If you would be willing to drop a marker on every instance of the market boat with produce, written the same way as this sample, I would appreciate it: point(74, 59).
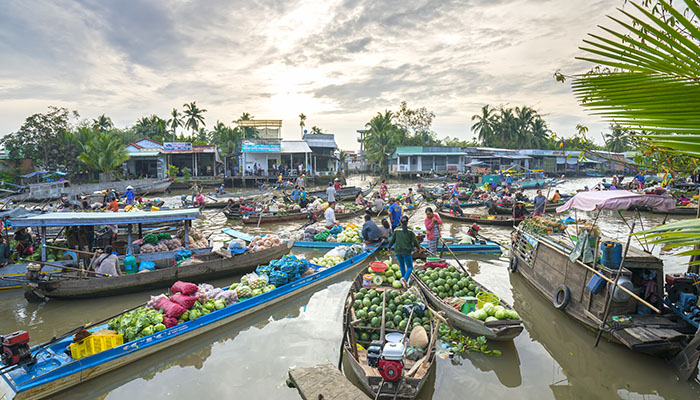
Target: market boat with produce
point(564, 264)
point(480, 219)
point(465, 302)
point(207, 266)
point(389, 337)
point(507, 209)
point(190, 310)
point(346, 193)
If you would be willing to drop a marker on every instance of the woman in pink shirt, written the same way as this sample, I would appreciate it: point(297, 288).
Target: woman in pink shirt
point(433, 222)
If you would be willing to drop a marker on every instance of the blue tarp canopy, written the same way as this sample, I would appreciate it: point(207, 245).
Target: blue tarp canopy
point(35, 173)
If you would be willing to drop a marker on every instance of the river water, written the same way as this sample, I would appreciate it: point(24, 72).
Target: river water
point(553, 358)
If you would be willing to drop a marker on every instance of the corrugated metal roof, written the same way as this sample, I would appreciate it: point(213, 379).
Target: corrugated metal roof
point(321, 140)
point(295, 146)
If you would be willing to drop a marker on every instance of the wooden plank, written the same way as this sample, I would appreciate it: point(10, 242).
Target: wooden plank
point(324, 381)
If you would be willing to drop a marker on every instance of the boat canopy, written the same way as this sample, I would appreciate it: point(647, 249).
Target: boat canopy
point(617, 200)
point(104, 218)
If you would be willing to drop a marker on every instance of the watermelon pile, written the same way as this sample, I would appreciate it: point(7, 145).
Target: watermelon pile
point(368, 308)
point(448, 282)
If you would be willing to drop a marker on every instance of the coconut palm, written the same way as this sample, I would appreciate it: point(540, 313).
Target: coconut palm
point(381, 139)
point(193, 117)
point(342, 159)
point(649, 79)
point(484, 124)
point(248, 132)
point(103, 152)
point(302, 122)
point(102, 123)
point(175, 121)
point(618, 139)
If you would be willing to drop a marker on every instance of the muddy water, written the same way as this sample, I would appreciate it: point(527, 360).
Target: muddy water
point(553, 358)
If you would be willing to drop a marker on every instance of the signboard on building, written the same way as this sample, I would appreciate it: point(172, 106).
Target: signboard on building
point(260, 148)
point(177, 146)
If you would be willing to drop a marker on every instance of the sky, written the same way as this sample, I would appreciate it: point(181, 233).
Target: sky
point(338, 61)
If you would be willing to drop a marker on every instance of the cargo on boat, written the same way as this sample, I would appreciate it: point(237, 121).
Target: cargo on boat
point(481, 219)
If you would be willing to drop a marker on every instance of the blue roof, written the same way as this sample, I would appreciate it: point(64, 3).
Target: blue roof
point(105, 218)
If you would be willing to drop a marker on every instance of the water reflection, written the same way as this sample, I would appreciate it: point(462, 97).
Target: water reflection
point(581, 371)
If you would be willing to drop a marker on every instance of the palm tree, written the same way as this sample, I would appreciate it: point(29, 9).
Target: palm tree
point(540, 133)
point(248, 131)
point(342, 159)
point(175, 121)
point(381, 139)
point(302, 122)
point(484, 124)
point(103, 152)
point(102, 123)
point(618, 139)
point(193, 117)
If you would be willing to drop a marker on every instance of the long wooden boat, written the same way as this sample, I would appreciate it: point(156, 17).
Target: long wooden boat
point(543, 261)
point(268, 219)
point(212, 267)
point(534, 184)
point(679, 210)
point(508, 210)
point(482, 246)
point(347, 193)
point(414, 373)
point(496, 330)
point(350, 214)
point(481, 219)
point(12, 276)
point(56, 371)
point(38, 192)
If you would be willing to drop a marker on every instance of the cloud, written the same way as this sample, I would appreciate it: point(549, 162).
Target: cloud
point(338, 61)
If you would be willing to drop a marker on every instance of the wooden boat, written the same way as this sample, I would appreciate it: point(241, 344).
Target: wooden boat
point(347, 214)
point(414, 373)
point(544, 262)
point(55, 370)
point(12, 276)
point(679, 210)
point(482, 246)
point(481, 219)
point(496, 330)
point(212, 266)
point(38, 192)
point(534, 184)
point(268, 219)
point(508, 210)
point(594, 174)
point(344, 194)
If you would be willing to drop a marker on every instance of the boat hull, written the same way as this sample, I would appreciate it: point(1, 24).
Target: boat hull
point(14, 275)
point(102, 287)
point(54, 190)
point(487, 247)
point(268, 219)
point(78, 371)
point(481, 220)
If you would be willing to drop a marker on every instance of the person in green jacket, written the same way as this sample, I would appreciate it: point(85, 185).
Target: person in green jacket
point(405, 241)
point(4, 252)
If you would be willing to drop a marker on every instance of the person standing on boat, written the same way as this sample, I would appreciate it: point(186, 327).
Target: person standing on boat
point(383, 190)
point(129, 194)
point(330, 216)
point(371, 234)
point(107, 263)
point(295, 194)
point(195, 190)
point(509, 181)
point(454, 206)
point(404, 242)
point(337, 185)
point(539, 201)
point(519, 211)
point(5, 251)
point(433, 223)
point(455, 188)
point(303, 201)
point(409, 196)
point(396, 212)
point(330, 193)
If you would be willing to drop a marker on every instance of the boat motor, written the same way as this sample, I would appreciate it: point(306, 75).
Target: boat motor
point(677, 284)
point(15, 348)
point(391, 362)
point(33, 271)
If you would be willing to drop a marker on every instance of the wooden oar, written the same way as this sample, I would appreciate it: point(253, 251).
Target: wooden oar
point(64, 267)
point(612, 292)
point(453, 254)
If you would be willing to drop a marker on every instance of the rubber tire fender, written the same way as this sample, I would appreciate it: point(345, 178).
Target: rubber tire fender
point(560, 305)
point(513, 266)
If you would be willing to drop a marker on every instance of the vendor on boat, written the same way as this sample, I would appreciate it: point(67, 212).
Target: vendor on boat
point(25, 242)
point(295, 194)
point(520, 196)
point(194, 190)
point(454, 206)
point(383, 190)
point(4, 252)
point(360, 200)
point(409, 196)
point(300, 181)
point(385, 229)
point(555, 197)
point(199, 200)
point(371, 234)
point(519, 210)
point(303, 201)
point(113, 205)
point(378, 205)
point(396, 212)
point(433, 224)
point(337, 185)
point(129, 194)
point(107, 263)
point(330, 216)
point(539, 201)
point(404, 242)
point(330, 193)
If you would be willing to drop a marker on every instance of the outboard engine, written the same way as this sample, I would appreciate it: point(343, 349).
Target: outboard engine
point(33, 271)
point(15, 348)
point(391, 362)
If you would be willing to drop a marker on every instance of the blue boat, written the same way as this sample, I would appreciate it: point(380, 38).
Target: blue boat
point(55, 371)
point(480, 246)
point(594, 174)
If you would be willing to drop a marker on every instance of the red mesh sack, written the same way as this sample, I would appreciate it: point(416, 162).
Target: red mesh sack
point(170, 309)
point(431, 264)
point(181, 299)
point(184, 288)
point(169, 322)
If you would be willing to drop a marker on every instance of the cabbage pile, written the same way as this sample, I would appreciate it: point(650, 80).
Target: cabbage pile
point(349, 235)
point(137, 323)
point(490, 313)
point(251, 285)
point(327, 261)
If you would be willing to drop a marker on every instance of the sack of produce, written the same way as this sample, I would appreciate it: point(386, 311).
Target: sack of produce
point(184, 288)
point(150, 238)
point(228, 296)
point(170, 308)
point(337, 252)
point(432, 264)
point(278, 278)
point(336, 229)
point(183, 300)
point(154, 300)
point(237, 244)
point(169, 322)
point(147, 248)
point(147, 266)
point(183, 254)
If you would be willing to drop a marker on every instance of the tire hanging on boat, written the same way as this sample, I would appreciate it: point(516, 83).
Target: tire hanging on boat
point(565, 293)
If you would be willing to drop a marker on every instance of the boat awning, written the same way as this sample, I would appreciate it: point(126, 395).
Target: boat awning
point(476, 164)
point(617, 200)
point(296, 146)
point(105, 218)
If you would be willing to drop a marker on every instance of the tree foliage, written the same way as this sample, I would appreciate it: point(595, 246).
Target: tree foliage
point(381, 139)
point(193, 117)
point(618, 140)
point(513, 128)
point(99, 150)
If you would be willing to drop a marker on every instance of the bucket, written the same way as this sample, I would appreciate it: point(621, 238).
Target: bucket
point(486, 297)
point(611, 254)
point(367, 280)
